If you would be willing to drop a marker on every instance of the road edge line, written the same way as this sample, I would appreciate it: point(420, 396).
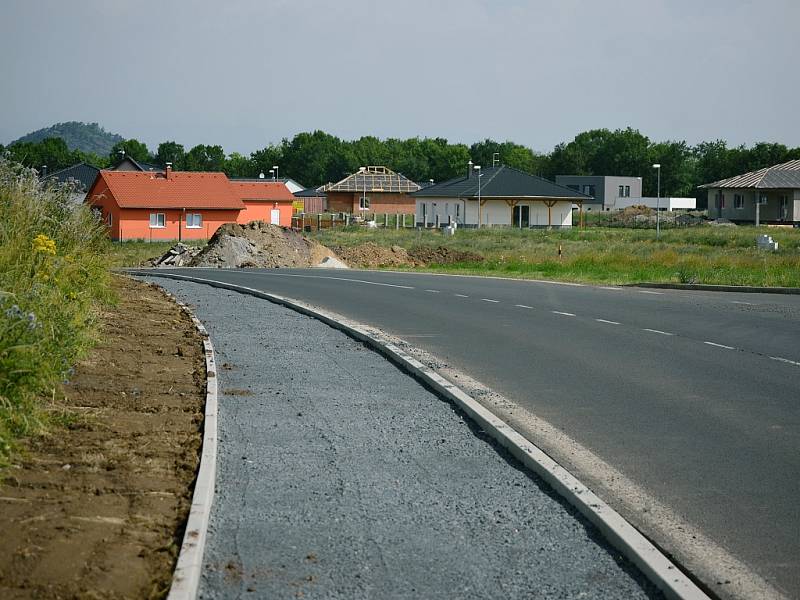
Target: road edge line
point(186, 576)
point(623, 536)
point(708, 287)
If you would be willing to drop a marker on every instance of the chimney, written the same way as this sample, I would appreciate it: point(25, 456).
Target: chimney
point(469, 169)
point(167, 170)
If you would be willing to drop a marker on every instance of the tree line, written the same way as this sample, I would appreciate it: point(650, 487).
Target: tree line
point(315, 158)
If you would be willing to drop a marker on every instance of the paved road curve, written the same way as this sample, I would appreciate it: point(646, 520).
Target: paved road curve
point(694, 396)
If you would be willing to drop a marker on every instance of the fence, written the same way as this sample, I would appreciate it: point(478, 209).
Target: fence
point(315, 222)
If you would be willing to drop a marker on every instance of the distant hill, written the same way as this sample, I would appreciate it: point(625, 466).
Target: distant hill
point(87, 137)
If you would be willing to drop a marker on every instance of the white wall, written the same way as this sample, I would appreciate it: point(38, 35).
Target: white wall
point(664, 203)
point(493, 212)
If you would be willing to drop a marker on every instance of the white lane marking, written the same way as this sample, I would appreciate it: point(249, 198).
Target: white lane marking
point(785, 360)
point(461, 295)
point(566, 314)
point(417, 335)
point(609, 322)
point(657, 331)
point(719, 345)
point(433, 291)
point(740, 302)
point(404, 287)
point(608, 287)
point(649, 292)
point(523, 306)
point(489, 300)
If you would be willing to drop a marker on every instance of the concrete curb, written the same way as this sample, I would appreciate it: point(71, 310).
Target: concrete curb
point(186, 578)
point(747, 289)
point(622, 535)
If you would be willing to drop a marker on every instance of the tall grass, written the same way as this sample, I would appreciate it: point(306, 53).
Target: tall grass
point(702, 254)
point(53, 274)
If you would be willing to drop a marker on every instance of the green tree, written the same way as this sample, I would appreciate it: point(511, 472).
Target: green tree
point(205, 158)
point(237, 165)
point(678, 170)
point(317, 158)
point(266, 158)
point(170, 152)
point(133, 148)
point(50, 152)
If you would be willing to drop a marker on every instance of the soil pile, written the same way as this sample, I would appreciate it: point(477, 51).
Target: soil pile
point(371, 255)
point(259, 245)
point(443, 256)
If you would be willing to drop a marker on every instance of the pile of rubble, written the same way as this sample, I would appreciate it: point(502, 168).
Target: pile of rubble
point(180, 255)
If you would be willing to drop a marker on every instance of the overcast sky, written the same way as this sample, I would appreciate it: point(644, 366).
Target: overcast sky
point(244, 73)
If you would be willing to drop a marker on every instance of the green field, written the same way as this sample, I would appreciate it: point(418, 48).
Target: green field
point(701, 254)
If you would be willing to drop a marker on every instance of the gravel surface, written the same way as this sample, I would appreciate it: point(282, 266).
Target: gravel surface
point(341, 477)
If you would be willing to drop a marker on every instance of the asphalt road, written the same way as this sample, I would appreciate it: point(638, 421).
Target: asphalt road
point(339, 476)
point(691, 395)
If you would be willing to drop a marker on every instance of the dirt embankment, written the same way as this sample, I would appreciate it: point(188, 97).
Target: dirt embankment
point(96, 509)
point(371, 256)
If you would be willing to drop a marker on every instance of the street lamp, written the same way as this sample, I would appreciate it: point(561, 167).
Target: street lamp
point(657, 166)
point(276, 171)
point(272, 174)
point(480, 212)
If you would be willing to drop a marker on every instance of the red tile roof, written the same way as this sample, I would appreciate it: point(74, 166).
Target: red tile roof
point(132, 189)
point(272, 191)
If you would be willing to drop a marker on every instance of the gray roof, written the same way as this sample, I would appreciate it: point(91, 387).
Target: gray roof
point(129, 164)
point(500, 182)
point(311, 193)
point(83, 174)
point(782, 176)
point(374, 179)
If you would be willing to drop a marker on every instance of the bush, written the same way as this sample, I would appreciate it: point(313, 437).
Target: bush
point(53, 274)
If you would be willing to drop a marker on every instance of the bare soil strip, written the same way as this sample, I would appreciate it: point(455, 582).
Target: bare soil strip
point(97, 509)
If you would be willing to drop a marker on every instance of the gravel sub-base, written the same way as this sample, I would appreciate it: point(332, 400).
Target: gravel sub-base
point(339, 476)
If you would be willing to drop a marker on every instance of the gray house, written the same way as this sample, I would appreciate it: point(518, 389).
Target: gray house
point(605, 189)
point(769, 195)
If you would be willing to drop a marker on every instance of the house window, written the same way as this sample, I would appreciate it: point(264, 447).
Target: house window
point(458, 210)
point(110, 220)
point(762, 198)
point(738, 201)
point(158, 220)
point(363, 203)
point(194, 221)
point(627, 191)
point(784, 207)
point(621, 192)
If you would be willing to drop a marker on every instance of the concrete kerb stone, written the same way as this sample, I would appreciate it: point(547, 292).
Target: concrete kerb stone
point(704, 287)
point(622, 535)
point(186, 578)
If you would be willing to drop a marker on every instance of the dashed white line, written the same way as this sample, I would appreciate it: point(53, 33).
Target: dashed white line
point(461, 295)
point(658, 331)
point(649, 292)
point(609, 322)
point(608, 287)
point(523, 306)
point(433, 291)
point(489, 300)
point(566, 314)
point(740, 302)
point(785, 360)
point(719, 345)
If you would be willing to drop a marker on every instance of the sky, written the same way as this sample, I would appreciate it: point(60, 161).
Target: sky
point(247, 73)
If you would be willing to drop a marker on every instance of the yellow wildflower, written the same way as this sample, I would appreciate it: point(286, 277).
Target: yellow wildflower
point(43, 244)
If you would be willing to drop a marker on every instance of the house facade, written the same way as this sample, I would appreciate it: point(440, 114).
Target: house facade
point(497, 196)
point(372, 190)
point(770, 195)
point(150, 206)
point(609, 192)
point(264, 200)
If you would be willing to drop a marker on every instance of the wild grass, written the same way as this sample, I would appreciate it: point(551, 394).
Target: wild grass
point(701, 254)
point(53, 276)
point(136, 253)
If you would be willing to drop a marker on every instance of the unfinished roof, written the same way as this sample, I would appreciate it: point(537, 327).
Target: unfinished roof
point(501, 182)
point(136, 189)
point(375, 179)
point(784, 175)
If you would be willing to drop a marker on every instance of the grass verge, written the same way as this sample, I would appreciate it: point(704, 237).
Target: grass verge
point(53, 276)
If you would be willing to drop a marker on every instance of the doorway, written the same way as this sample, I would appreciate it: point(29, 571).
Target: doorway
point(522, 216)
point(275, 216)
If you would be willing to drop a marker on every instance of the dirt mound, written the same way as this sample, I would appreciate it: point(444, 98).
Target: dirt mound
point(371, 255)
point(443, 255)
point(259, 245)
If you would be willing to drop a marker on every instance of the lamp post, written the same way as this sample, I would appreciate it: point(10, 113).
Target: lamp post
point(272, 174)
point(480, 210)
point(657, 166)
point(276, 171)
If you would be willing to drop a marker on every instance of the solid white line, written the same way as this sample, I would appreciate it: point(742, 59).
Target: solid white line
point(523, 306)
point(609, 322)
point(404, 287)
point(720, 345)
point(461, 295)
point(566, 314)
point(649, 292)
point(489, 300)
point(657, 331)
point(785, 360)
point(433, 291)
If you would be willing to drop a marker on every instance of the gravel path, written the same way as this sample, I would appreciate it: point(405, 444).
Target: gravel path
point(341, 477)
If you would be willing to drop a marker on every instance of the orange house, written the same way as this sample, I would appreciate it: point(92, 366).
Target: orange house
point(164, 206)
point(264, 200)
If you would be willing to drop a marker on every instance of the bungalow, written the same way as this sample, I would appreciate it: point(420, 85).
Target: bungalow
point(769, 195)
point(80, 176)
point(372, 190)
point(164, 206)
point(498, 195)
point(264, 200)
